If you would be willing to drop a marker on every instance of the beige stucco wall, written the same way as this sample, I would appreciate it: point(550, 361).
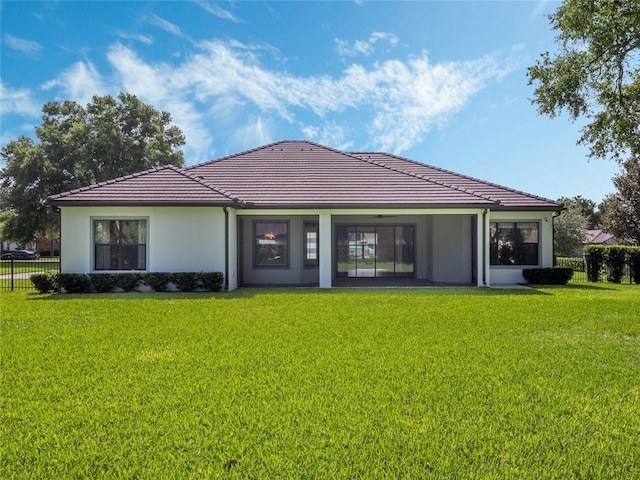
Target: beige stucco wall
point(178, 238)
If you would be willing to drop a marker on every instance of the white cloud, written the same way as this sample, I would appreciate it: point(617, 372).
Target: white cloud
point(138, 37)
point(328, 134)
point(80, 82)
point(167, 26)
point(218, 11)
point(254, 132)
point(17, 101)
point(224, 90)
point(28, 47)
point(364, 47)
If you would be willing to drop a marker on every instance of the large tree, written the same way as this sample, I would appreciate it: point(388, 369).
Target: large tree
point(586, 207)
point(622, 215)
point(569, 230)
point(78, 146)
point(595, 74)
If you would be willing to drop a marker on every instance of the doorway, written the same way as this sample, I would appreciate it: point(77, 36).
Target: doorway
point(375, 251)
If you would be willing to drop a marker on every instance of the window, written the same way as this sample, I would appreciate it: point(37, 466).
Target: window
point(120, 244)
point(311, 245)
point(271, 244)
point(514, 243)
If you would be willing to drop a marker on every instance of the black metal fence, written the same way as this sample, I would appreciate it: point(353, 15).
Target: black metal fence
point(15, 273)
point(579, 265)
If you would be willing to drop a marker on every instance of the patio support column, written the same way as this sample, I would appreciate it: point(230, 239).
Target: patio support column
point(325, 254)
point(486, 243)
point(480, 267)
point(232, 253)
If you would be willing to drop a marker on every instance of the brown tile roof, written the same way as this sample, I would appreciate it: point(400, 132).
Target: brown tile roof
point(159, 186)
point(300, 173)
point(305, 174)
point(507, 197)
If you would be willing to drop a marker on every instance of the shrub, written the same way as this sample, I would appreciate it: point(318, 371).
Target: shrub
point(594, 256)
point(74, 282)
point(157, 280)
point(211, 280)
point(186, 281)
point(102, 282)
point(547, 276)
point(614, 260)
point(577, 264)
point(126, 281)
point(45, 282)
point(634, 264)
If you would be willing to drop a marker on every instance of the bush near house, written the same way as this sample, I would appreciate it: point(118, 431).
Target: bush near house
point(547, 276)
point(45, 282)
point(127, 282)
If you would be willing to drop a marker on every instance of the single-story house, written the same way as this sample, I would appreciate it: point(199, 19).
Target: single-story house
point(300, 213)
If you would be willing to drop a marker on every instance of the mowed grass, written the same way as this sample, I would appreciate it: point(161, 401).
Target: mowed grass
point(397, 383)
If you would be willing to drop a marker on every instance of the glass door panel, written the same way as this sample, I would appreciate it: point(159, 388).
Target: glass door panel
point(385, 265)
point(346, 260)
point(383, 251)
point(404, 251)
point(366, 246)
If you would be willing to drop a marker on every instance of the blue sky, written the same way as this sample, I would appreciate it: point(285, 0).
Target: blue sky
point(439, 82)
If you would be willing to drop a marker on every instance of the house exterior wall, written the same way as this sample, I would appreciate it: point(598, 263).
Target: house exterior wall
point(512, 274)
point(193, 239)
point(178, 238)
point(451, 249)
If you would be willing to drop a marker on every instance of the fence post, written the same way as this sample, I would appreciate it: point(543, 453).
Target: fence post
point(12, 272)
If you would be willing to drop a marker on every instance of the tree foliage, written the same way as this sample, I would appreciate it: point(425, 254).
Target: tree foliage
point(586, 207)
point(78, 146)
point(622, 216)
point(595, 74)
point(569, 230)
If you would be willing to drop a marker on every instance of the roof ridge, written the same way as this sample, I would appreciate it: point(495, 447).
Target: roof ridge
point(420, 176)
point(113, 180)
point(255, 149)
point(199, 179)
point(486, 182)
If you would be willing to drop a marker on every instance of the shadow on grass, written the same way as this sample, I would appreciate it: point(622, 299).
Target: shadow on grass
point(251, 292)
point(581, 286)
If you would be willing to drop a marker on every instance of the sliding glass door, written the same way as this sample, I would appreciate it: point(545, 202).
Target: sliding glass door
point(380, 251)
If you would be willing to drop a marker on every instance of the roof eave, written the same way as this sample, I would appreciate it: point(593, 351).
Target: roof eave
point(141, 203)
point(364, 206)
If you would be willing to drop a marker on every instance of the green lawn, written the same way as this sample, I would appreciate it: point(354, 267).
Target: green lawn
point(397, 383)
